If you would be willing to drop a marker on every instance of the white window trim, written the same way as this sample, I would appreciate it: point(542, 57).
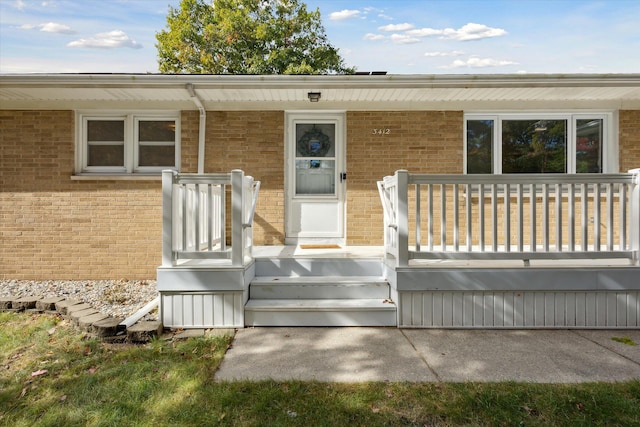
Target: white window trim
point(609, 133)
point(131, 165)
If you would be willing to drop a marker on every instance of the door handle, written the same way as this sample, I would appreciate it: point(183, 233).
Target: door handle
point(343, 176)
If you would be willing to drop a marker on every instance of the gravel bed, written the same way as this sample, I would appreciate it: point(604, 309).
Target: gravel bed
point(117, 298)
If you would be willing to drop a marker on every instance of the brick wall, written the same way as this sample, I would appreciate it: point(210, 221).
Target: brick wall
point(419, 141)
point(254, 142)
point(629, 139)
point(52, 227)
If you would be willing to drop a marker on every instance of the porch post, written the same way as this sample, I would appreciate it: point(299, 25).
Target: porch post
point(634, 226)
point(402, 220)
point(167, 217)
point(237, 215)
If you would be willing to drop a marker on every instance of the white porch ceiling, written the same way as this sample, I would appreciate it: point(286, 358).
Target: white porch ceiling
point(403, 92)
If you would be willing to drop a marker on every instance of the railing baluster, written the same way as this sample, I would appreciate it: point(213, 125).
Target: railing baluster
point(623, 190)
point(418, 217)
point(481, 216)
point(585, 217)
point(596, 214)
point(572, 217)
point(468, 190)
point(210, 217)
point(443, 217)
point(456, 219)
point(559, 217)
point(520, 219)
point(494, 217)
point(533, 201)
point(610, 226)
point(545, 217)
point(507, 217)
point(430, 217)
point(185, 215)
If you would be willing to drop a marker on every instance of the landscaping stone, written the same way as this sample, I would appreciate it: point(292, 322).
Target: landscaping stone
point(48, 304)
point(144, 331)
point(24, 303)
point(76, 315)
point(188, 333)
point(107, 327)
point(86, 322)
point(78, 307)
point(220, 332)
point(5, 303)
point(63, 305)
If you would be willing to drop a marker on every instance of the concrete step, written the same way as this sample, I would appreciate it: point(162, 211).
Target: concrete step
point(318, 287)
point(320, 312)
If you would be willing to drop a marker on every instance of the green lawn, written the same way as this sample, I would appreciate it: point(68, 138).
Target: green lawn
point(53, 375)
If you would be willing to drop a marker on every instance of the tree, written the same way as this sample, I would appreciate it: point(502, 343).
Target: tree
point(246, 37)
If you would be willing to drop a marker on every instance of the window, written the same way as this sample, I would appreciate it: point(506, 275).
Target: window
point(539, 143)
point(127, 143)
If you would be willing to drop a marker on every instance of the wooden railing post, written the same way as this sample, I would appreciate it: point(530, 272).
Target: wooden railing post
point(167, 217)
point(401, 203)
point(634, 225)
point(237, 216)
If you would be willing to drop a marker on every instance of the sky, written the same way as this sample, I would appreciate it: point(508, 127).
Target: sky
point(396, 36)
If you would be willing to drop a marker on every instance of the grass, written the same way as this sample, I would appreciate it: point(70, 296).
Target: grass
point(90, 383)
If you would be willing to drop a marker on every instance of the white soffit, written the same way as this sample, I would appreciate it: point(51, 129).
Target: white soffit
point(345, 92)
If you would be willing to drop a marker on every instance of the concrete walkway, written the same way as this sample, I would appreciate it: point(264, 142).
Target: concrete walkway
point(424, 355)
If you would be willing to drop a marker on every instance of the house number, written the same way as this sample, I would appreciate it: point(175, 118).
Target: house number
point(385, 131)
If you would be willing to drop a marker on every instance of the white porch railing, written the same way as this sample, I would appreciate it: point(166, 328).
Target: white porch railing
point(194, 221)
point(519, 216)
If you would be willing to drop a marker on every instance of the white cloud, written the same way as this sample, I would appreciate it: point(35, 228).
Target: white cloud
point(453, 53)
point(52, 27)
point(476, 62)
point(111, 40)
point(404, 39)
point(396, 27)
point(49, 27)
point(467, 32)
point(19, 4)
point(344, 14)
point(371, 36)
point(473, 31)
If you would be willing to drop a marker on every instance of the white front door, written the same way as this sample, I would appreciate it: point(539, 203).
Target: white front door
point(315, 178)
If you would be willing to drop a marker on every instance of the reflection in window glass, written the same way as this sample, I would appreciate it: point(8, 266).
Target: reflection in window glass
point(315, 140)
point(105, 130)
point(315, 177)
point(479, 146)
point(105, 155)
point(589, 146)
point(534, 146)
point(157, 155)
point(157, 130)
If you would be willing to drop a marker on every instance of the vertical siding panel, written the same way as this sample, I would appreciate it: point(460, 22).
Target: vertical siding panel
point(591, 309)
point(218, 309)
point(238, 308)
point(549, 309)
point(229, 310)
point(457, 306)
point(405, 298)
point(601, 309)
point(529, 309)
point(581, 309)
point(633, 309)
point(447, 308)
point(167, 310)
point(612, 312)
point(427, 309)
point(622, 304)
point(467, 302)
point(560, 309)
point(208, 310)
point(509, 309)
point(187, 310)
point(498, 308)
point(518, 309)
point(437, 309)
point(487, 318)
point(539, 308)
point(570, 307)
point(198, 310)
point(478, 309)
point(178, 318)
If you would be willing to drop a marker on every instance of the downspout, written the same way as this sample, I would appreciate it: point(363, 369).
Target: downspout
point(203, 124)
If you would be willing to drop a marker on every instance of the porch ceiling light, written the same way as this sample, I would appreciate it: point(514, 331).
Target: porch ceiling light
point(314, 96)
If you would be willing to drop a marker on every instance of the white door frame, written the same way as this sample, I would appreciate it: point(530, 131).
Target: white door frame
point(298, 208)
